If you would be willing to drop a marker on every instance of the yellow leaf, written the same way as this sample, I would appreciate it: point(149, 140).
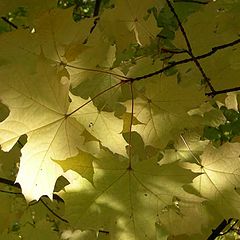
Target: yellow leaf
point(38, 105)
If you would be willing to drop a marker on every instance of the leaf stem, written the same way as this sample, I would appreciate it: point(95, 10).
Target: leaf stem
point(98, 71)
point(190, 150)
point(130, 127)
point(97, 95)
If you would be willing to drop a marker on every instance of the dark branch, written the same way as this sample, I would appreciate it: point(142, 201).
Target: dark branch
point(94, 24)
point(10, 192)
point(180, 25)
point(10, 23)
point(215, 49)
point(216, 232)
point(174, 51)
point(231, 228)
point(97, 8)
point(9, 182)
point(212, 94)
point(95, 14)
point(161, 70)
point(55, 196)
point(50, 210)
point(187, 60)
point(17, 185)
point(92, 29)
point(190, 52)
point(191, 1)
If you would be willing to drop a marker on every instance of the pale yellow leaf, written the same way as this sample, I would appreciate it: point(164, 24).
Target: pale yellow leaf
point(38, 104)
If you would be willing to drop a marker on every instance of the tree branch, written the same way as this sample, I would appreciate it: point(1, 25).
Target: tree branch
point(17, 185)
point(55, 214)
point(10, 23)
point(161, 70)
point(216, 232)
point(212, 94)
point(9, 182)
point(190, 52)
point(97, 8)
point(180, 25)
point(231, 228)
point(92, 29)
point(10, 192)
point(191, 1)
point(215, 49)
point(187, 60)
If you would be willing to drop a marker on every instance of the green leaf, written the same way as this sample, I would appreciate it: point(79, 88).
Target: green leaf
point(230, 114)
point(82, 164)
point(60, 184)
point(212, 133)
point(120, 197)
point(159, 110)
point(219, 170)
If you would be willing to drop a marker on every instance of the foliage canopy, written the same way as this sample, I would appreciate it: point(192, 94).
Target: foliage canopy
point(123, 124)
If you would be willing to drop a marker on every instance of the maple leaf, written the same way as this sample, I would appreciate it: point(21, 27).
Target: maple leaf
point(60, 41)
point(33, 8)
point(158, 109)
point(111, 114)
point(130, 21)
point(38, 105)
point(219, 22)
point(185, 148)
point(118, 202)
point(218, 181)
point(102, 125)
point(81, 163)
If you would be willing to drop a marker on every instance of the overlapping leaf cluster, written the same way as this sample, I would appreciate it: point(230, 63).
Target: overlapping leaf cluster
point(103, 121)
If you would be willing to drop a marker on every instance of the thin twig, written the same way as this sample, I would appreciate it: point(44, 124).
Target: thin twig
point(216, 232)
point(212, 94)
point(9, 182)
point(13, 184)
point(190, 52)
point(161, 70)
point(10, 23)
point(215, 49)
point(174, 51)
point(97, 95)
point(190, 150)
point(191, 1)
point(91, 29)
point(187, 60)
point(10, 192)
point(97, 8)
point(231, 228)
point(55, 214)
point(96, 70)
point(180, 25)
